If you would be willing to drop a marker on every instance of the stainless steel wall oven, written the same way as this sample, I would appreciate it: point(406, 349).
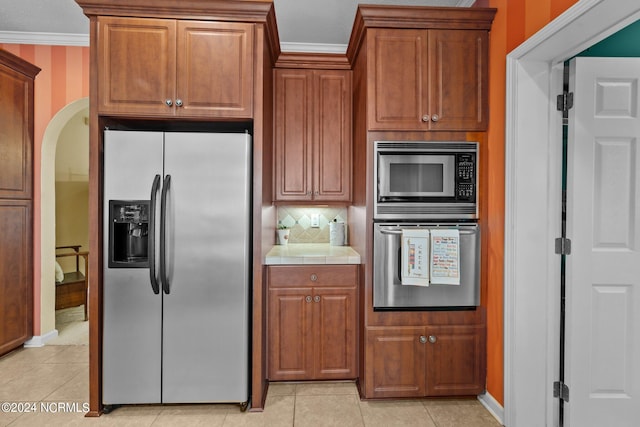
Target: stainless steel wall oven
point(426, 239)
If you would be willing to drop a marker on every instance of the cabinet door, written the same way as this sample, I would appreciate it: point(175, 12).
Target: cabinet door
point(290, 341)
point(455, 360)
point(332, 135)
point(16, 300)
point(215, 69)
point(136, 66)
point(458, 76)
point(312, 135)
point(335, 325)
point(399, 69)
point(293, 135)
point(16, 111)
point(394, 363)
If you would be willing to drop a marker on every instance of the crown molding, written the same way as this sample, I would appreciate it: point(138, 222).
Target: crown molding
point(59, 39)
point(51, 39)
point(316, 61)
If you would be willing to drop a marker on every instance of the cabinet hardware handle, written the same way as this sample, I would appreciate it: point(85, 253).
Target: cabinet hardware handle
point(308, 298)
point(168, 102)
point(423, 339)
point(309, 193)
point(432, 339)
point(316, 298)
point(426, 118)
point(314, 277)
point(179, 103)
point(435, 118)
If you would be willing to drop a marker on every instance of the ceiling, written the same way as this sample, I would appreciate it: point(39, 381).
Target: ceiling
point(303, 25)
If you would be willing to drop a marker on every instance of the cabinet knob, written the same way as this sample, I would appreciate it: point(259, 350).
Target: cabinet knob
point(435, 118)
point(432, 339)
point(179, 103)
point(426, 118)
point(314, 277)
point(308, 298)
point(316, 298)
point(423, 339)
point(309, 193)
point(168, 102)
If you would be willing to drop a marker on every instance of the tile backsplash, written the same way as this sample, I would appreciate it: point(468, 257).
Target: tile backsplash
point(298, 219)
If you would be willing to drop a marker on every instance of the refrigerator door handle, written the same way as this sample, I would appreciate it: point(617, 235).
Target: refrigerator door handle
point(152, 236)
point(163, 232)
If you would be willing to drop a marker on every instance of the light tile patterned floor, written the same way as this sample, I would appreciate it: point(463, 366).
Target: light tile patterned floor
point(58, 374)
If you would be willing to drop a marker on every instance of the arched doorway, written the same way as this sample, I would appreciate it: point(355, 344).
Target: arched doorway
point(50, 140)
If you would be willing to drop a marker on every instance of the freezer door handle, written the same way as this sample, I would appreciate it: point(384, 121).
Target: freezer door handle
point(152, 236)
point(163, 234)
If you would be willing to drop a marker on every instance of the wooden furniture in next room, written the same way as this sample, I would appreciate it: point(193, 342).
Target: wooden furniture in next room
point(72, 291)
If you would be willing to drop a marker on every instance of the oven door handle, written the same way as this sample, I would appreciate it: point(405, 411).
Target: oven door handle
point(398, 232)
point(383, 231)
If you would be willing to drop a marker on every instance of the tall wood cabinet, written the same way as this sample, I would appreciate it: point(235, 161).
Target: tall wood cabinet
point(163, 67)
point(16, 200)
point(312, 135)
point(419, 73)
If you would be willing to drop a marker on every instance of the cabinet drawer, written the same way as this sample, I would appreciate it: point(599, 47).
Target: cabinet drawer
point(326, 275)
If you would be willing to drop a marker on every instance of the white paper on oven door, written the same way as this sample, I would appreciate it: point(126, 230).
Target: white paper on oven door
point(415, 257)
point(445, 257)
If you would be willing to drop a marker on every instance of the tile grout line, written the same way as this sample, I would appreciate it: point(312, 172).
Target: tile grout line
point(429, 414)
point(295, 399)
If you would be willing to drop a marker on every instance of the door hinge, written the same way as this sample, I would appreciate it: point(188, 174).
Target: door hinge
point(563, 246)
point(564, 101)
point(561, 390)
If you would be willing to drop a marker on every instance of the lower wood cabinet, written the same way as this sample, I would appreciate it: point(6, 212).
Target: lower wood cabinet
point(443, 360)
point(312, 322)
point(16, 266)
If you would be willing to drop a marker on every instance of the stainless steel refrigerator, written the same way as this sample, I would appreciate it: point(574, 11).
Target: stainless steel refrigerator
point(176, 267)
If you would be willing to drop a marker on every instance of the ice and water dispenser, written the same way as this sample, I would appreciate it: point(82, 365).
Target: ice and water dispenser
point(128, 233)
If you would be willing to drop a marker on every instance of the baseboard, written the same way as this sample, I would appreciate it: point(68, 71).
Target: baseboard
point(492, 406)
point(40, 340)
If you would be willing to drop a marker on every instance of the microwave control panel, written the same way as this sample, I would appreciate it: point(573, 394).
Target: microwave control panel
point(466, 177)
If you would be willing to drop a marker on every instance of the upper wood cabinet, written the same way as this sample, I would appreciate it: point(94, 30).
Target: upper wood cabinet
point(420, 68)
point(312, 135)
point(16, 126)
point(428, 79)
point(175, 68)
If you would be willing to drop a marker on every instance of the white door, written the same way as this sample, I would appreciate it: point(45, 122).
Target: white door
point(603, 222)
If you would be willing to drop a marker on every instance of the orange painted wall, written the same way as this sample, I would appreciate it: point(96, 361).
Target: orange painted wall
point(515, 21)
point(64, 78)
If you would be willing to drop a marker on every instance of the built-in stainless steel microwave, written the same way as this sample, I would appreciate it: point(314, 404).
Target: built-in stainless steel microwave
point(425, 180)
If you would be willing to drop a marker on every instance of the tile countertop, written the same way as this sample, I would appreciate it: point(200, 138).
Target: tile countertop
point(311, 253)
